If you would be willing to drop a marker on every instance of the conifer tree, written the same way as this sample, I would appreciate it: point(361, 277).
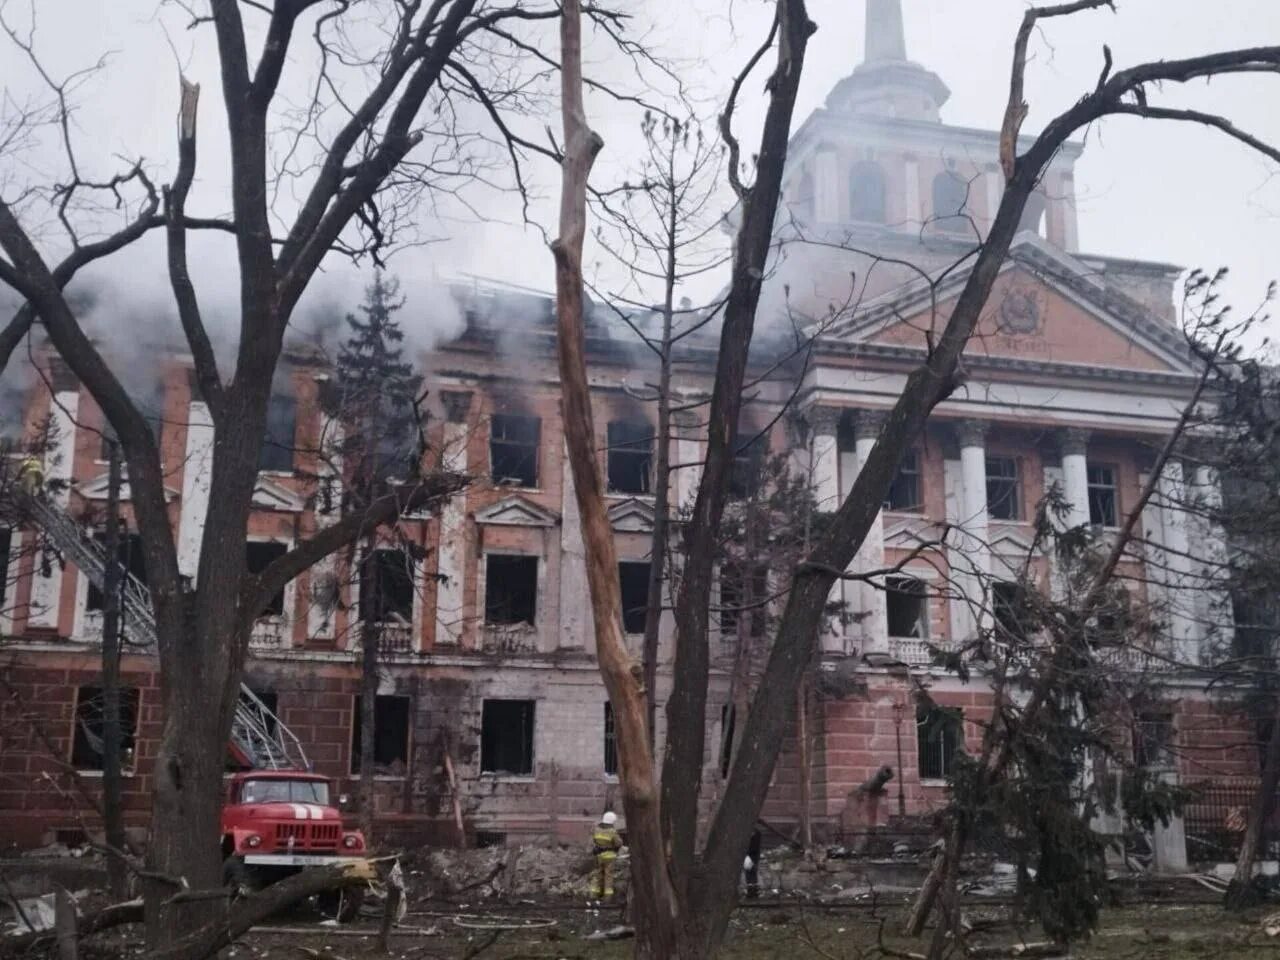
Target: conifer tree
point(378, 397)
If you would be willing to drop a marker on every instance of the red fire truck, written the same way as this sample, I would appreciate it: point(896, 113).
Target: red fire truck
point(278, 822)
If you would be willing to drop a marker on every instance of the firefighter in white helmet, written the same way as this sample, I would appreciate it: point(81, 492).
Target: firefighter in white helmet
point(605, 843)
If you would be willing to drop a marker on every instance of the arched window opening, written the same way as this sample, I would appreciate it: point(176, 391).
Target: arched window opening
point(950, 195)
point(803, 199)
point(866, 193)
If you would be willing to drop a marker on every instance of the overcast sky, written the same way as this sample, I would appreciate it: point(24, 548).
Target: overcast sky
point(1146, 190)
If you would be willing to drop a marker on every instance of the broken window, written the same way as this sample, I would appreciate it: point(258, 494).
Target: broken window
point(1008, 610)
point(907, 606)
point(386, 587)
point(390, 735)
point(743, 592)
point(904, 493)
point(277, 442)
point(259, 555)
point(634, 579)
point(86, 742)
point(513, 449)
point(1003, 501)
point(510, 589)
point(6, 544)
point(866, 193)
point(1102, 495)
point(610, 742)
point(630, 457)
point(1153, 739)
point(131, 559)
point(939, 737)
point(950, 194)
point(1255, 626)
point(745, 475)
point(506, 737)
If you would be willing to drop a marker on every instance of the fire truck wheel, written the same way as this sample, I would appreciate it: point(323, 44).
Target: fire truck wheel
point(341, 905)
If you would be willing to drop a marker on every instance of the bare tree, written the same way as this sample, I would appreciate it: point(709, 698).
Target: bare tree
point(385, 133)
point(684, 896)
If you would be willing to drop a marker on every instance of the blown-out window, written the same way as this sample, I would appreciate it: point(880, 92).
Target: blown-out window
point(630, 457)
point(87, 742)
point(506, 737)
point(939, 736)
point(513, 449)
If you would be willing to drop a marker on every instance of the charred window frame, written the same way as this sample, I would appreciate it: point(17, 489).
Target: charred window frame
point(386, 586)
point(1009, 610)
point(258, 555)
point(629, 463)
point(390, 734)
point(506, 737)
point(131, 558)
point(1103, 499)
point(513, 449)
point(633, 578)
point(86, 741)
point(735, 578)
point(904, 494)
point(510, 589)
point(907, 607)
point(1153, 739)
point(939, 738)
point(276, 454)
point(610, 742)
point(1255, 626)
point(1004, 494)
point(747, 471)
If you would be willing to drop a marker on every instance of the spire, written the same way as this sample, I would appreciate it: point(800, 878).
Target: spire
point(886, 39)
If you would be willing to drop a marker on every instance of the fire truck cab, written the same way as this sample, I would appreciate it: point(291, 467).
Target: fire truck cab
point(278, 822)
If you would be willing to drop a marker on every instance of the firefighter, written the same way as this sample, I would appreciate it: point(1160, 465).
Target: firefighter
point(606, 843)
point(31, 474)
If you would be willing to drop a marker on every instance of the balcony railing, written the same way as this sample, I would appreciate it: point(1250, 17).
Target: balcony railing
point(909, 650)
point(269, 633)
point(394, 636)
point(502, 638)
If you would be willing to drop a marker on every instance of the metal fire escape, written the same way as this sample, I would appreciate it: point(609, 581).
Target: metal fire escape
point(258, 738)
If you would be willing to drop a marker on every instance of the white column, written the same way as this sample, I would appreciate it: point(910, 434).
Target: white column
point(825, 456)
point(993, 183)
point(851, 590)
point(826, 187)
point(1075, 475)
point(1215, 604)
point(325, 584)
point(59, 460)
point(975, 543)
point(1182, 594)
point(824, 481)
point(911, 195)
point(575, 609)
point(687, 459)
point(197, 469)
point(875, 626)
point(451, 554)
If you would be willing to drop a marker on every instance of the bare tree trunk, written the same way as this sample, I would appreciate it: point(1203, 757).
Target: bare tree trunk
point(806, 765)
point(657, 915)
point(1241, 892)
point(112, 804)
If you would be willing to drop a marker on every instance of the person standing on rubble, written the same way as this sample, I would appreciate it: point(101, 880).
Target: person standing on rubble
point(605, 843)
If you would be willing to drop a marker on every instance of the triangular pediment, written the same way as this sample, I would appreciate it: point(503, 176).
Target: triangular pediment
point(516, 511)
point(632, 516)
point(96, 488)
point(910, 533)
point(274, 496)
point(1045, 308)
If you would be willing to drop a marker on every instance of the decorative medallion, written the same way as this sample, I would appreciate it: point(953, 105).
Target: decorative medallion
point(1019, 311)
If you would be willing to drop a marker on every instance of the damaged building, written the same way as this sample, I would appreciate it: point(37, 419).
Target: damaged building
point(490, 696)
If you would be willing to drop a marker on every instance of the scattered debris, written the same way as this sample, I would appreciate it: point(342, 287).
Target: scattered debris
point(612, 933)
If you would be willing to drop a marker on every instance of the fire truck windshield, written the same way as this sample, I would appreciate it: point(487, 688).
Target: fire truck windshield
point(285, 791)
